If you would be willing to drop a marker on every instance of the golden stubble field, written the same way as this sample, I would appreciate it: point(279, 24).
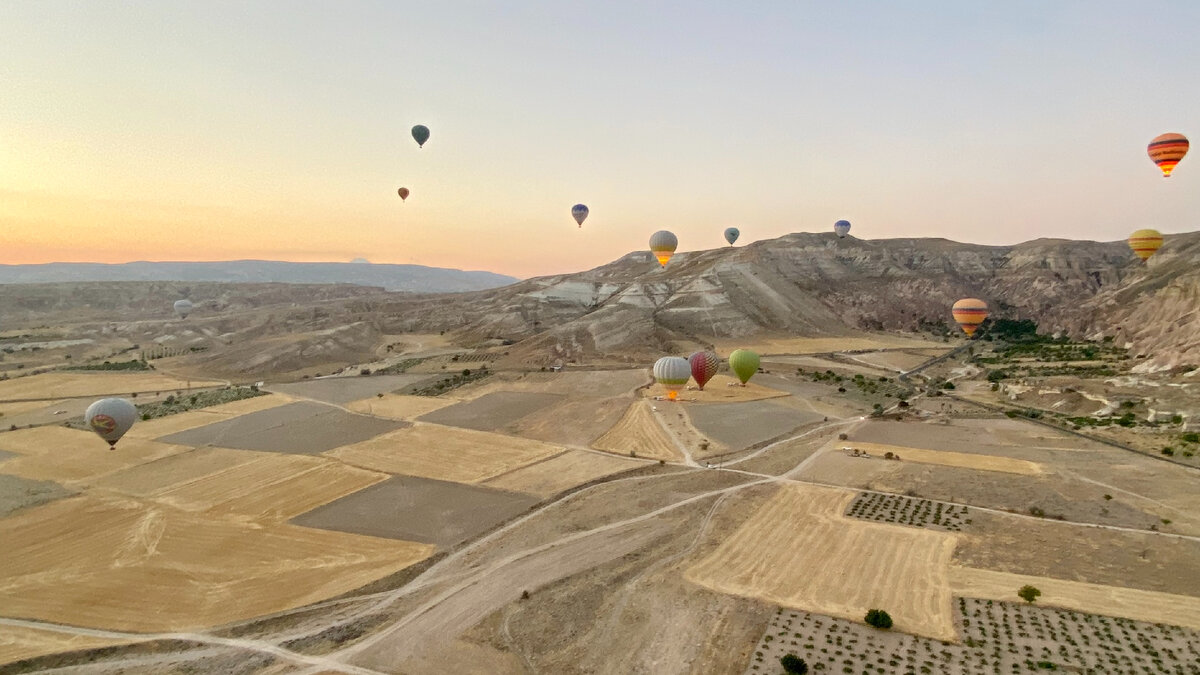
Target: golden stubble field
point(799, 551)
point(68, 384)
point(950, 458)
point(638, 431)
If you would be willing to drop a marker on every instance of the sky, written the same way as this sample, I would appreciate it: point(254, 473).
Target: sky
point(220, 130)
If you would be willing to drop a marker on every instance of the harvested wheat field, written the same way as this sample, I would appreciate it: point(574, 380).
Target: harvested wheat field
point(400, 407)
point(20, 642)
point(67, 385)
point(798, 551)
point(561, 472)
point(948, 458)
point(1129, 603)
point(192, 419)
point(73, 455)
point(720, 389)
point(639, 432)
point(125, 565)
point(144, 480)
point(270, 488)
point(600, 383)
point(444, 453)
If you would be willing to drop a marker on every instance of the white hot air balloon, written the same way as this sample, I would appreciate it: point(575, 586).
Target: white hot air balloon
point(183, 308)
point(110, 418)
point(580, 213)
point(672, 372)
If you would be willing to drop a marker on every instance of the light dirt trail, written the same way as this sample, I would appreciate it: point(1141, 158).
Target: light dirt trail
point(687, 454)
point(259, 646)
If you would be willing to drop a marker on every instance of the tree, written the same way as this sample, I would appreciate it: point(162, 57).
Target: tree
point(1029, 593)
point(878, 618)
point(793, 664)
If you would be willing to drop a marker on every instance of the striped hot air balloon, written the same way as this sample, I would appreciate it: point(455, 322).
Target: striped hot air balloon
point(1145, 242)
point(672, 372)
point(663, 245)
point(1167, 150)
point(969, 313)
point(704, 366)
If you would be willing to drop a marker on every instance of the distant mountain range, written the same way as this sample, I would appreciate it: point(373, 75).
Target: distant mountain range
point(412, 278)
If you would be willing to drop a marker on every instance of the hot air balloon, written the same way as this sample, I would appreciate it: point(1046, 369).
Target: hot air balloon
point(404, 193)
point(579, 212)
point(1145, 242)
point(183, 308)
point(744, 364)
point(841, 227)
point(420, 134)
point(110, 418)
point(672, 372)
point(731, 234)
point(663, 245)
point(1167, 150)
point(969, 313)
point(704, 365)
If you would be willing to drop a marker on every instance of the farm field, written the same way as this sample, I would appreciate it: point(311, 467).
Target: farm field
point(950, 458)
point(171, 424)
point(720, 389)
point(400, 406)
point(490, 411)
point(740, 425)
point(549, 477)
point(120, 564)
point(410, 508)
point(444, 453)
point(76, 384)
point(72, 455)
point(343, 390)
point(20, 642)
point(638, 432)
point(799, 551)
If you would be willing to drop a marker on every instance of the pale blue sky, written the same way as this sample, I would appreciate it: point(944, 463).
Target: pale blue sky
point(216, 130)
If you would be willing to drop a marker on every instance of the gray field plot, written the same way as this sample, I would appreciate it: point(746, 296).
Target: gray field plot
point(793, 385)
point(418, 509)
point(343, 390)
point(740, 425)
point(300, 428)
point(19, 493)
point(491, 411)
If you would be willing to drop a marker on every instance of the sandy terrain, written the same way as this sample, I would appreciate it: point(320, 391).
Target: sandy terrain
point(70, 456)
point(17, 643)
point(125, 565)
point(491, 411)
point(799, 551)
point(343, 390)
point(949, 458)
point(419, 509)
point(1176, 610)
point(399, 406)
point(720, 389)
point(824, 345)
point(98, 384)
point(560, 472)
point(303, 428)
point(444, 453)
point(639, 432)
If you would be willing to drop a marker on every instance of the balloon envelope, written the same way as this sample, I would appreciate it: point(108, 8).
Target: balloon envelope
point(969, 313)
point(1166, 151)
point(579, 212)
point(731, 234)
point(704, 365)
point(420, 134)
point(183, 308)
point(744, 364)
point(841, 227)
point(663, 245)
point(672, 372)
point(110, 418)
point(404, 193)
point(1145, 242)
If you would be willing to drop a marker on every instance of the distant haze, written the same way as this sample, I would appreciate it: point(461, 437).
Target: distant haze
point(415, 278)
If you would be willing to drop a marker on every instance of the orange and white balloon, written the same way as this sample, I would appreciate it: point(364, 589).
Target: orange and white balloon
point(1167, 150)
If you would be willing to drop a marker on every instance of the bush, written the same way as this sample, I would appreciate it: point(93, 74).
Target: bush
point(1029, 593)
point(793, 664)
point(1191, 437)
point(878, 618)
point(1168, 451)
point(842, 437)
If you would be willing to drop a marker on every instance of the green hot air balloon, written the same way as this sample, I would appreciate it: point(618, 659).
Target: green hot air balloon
point(744, 364)
point(420, 134)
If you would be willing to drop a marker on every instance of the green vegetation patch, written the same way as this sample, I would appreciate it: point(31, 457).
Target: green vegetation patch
point(452, 382)
point(176, 404)
point(134, 364)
